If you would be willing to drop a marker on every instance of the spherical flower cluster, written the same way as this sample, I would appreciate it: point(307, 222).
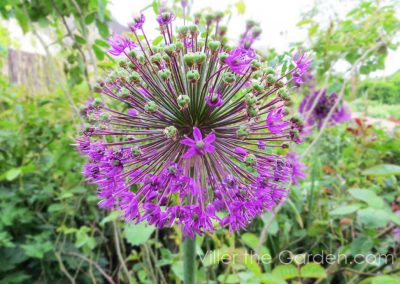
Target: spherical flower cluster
point(188, 132)
point(316, 106)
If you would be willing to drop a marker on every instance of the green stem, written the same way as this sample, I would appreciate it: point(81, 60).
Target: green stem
point(189, 260)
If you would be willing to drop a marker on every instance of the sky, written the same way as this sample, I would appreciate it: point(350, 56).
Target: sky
point(278, 19)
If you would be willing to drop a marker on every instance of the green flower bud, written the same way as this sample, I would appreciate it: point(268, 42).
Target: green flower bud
point(123, 63)
point(252, 111)
point(297, 119)
point(189, 59)
point(123, 93)
point(170, 49)
point(132, 53)
point(156, 58)
point(134, 78)
point(257, 88)
point(255, 65)
point(183, 101)
point(142, 59)
point(282, 93)
point(228, 77)
point(178, 46)
point(193, 76)
point(243, 132)
point(97, 102)
point(166, 58)
point(150, 107)
point(250, 99)
point(268, 70)
point(222, 30)
point(219, 15)
point(250, 24)
point(250, 160)
point(214, 45)
point(270, 78)
point(209, 18)
point(164, 74)
point(256, 74)
point(222, 57)
point(104, 117)
point(182, 31)
point(170, 132)
point(200, 57)
point(194, 29)
point(279, 84)
point(136, 152)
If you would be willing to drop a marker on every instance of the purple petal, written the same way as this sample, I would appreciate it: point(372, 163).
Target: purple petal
point(190, 153)
point(188, 142)
point(210, 138)
point(197, 134)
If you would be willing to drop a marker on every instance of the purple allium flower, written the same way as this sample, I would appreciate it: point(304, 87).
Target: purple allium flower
point(276, 120)
point(214, 99)
point(198, 145)
point(165, 18)
point(239, 60)
point(168, 147)
point(119, 44)
point(316, 106)
point(302, 62)
point(138, 21)
point(298, 168)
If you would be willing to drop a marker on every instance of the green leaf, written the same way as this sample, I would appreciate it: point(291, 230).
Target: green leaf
point(347, 209)
point(98, 52)
point(101, 6)
point(229, 279)
point(156, 5)
point(137, 234)
point(12, 173)
point(383, 279)
point(215, 256)
point(101, 43)
point(251, 262)
point(250, 240)
point(22, 19)
point(90, 18)
point(268, 278)
point(285, 271)
point(157, 40)
point(37, 249)
point(367, 196)
point(102, 28)
point(361, 245)
point(312, 270)
point(80, 39)
point(373, 218)
point(241, 7)
point(382, 170)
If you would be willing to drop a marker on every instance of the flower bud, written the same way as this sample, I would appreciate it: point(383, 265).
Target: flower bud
point(183, 101)
point(156, 58)
point(194, 29)
point(243, 132)
point(200, 57)
point(250, 160)
point(255, 65)
point(214, 45)
point(134, 78)
point(270, 78)
point(193, 76)
point(170, 49)
point(136, 152)
point(222, 57)
point(170, 132)
point(228, 78)
point(123, 93)
point(151, 106)
point(189, 59)
point(164, 74)
point(250, 99)
point(268, 70)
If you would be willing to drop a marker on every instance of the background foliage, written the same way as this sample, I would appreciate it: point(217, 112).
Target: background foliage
point(51, 230)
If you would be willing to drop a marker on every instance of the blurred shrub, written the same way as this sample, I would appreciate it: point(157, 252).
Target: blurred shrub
point(385, 90)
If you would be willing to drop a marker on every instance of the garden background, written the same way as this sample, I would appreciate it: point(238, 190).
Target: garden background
point(52, 52)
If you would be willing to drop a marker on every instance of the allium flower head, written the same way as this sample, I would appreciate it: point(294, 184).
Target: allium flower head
point(184, 134)
point(316, 106)
point(298, 168)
